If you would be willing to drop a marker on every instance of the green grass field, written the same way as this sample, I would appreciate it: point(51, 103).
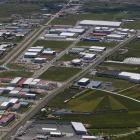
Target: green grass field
point(135, 25)
point(16, 66)
point(58, 46)
point(123, 67)
point(96, 132)
point(129, 137)
point(133, 51)
point(71, 19)
point(60, 74)
point(69, 57)
point(133, 93)
point(92, 43)
point(103, 102)
point(21, 9)
point(13, 74)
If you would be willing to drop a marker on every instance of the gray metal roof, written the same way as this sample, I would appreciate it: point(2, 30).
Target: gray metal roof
point(78, 126)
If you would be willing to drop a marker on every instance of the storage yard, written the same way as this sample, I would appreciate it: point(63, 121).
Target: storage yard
point(64, 131)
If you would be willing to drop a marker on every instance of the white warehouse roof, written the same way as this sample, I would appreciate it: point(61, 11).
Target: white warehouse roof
point(100, 23)
point(34, 50)
point(38, 47)
point(10, 88)
point(15, 80)
point(89, 137)
point(40, 59)
point(13, 101)
point(83, 80)
point(78, 126)
point(76, 61)
point(30, 53)
point(14, 92)
point(4, 104)
point(67, 34)
point(98, 47)
point(28, 81)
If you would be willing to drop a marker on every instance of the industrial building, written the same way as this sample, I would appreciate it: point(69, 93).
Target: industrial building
point(27, 82)
point(69, 30)
point(6, 80)
point(115, 36)
point(132, 60)
point(97, 49)
point(20, 83)
point(49, 52)
point(40, 60)
point(61, 26)
point(24, 104)
point(16, 107)
point(83, 82)
point(122, 34)
point(91, 39)
point(76, 62)
point(97, 84)
point(4, 105)
point(30, 96)
point(15, 81)
point(79, 128)
point(100, 23)
point(30, 55)
point(89, 138)
point(8, 89)
point(73, 52)
point(35, 51)
point(88, 56)
point(13, 93)
point(132, 77)
point(54, 36)
point(78, 49)
point(69, 35)
point(108, 73)
point(5, 120)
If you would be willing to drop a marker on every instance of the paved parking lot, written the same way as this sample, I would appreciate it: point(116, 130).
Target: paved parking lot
point(64, 128)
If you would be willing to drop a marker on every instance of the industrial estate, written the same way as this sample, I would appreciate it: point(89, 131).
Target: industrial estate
point(70, 70)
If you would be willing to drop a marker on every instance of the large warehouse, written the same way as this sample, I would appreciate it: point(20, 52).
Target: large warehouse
point(79, 128)
point(100, 23)
point(83, 82)
point(69, 35)
point(30, 55)
point(89, 138)
point(132, 77)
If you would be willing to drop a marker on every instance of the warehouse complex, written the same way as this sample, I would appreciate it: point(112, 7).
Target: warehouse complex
point(100, 23)
point(34, 54)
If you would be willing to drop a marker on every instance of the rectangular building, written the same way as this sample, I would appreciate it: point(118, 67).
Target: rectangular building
point(15, 81)
point(16, 107)
point(6, 80)
point(27, 82)
point(79, 128)
point(30, 55)
point(100, 23)
point(49, 52)
point(40, 60)
point(83, 82)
